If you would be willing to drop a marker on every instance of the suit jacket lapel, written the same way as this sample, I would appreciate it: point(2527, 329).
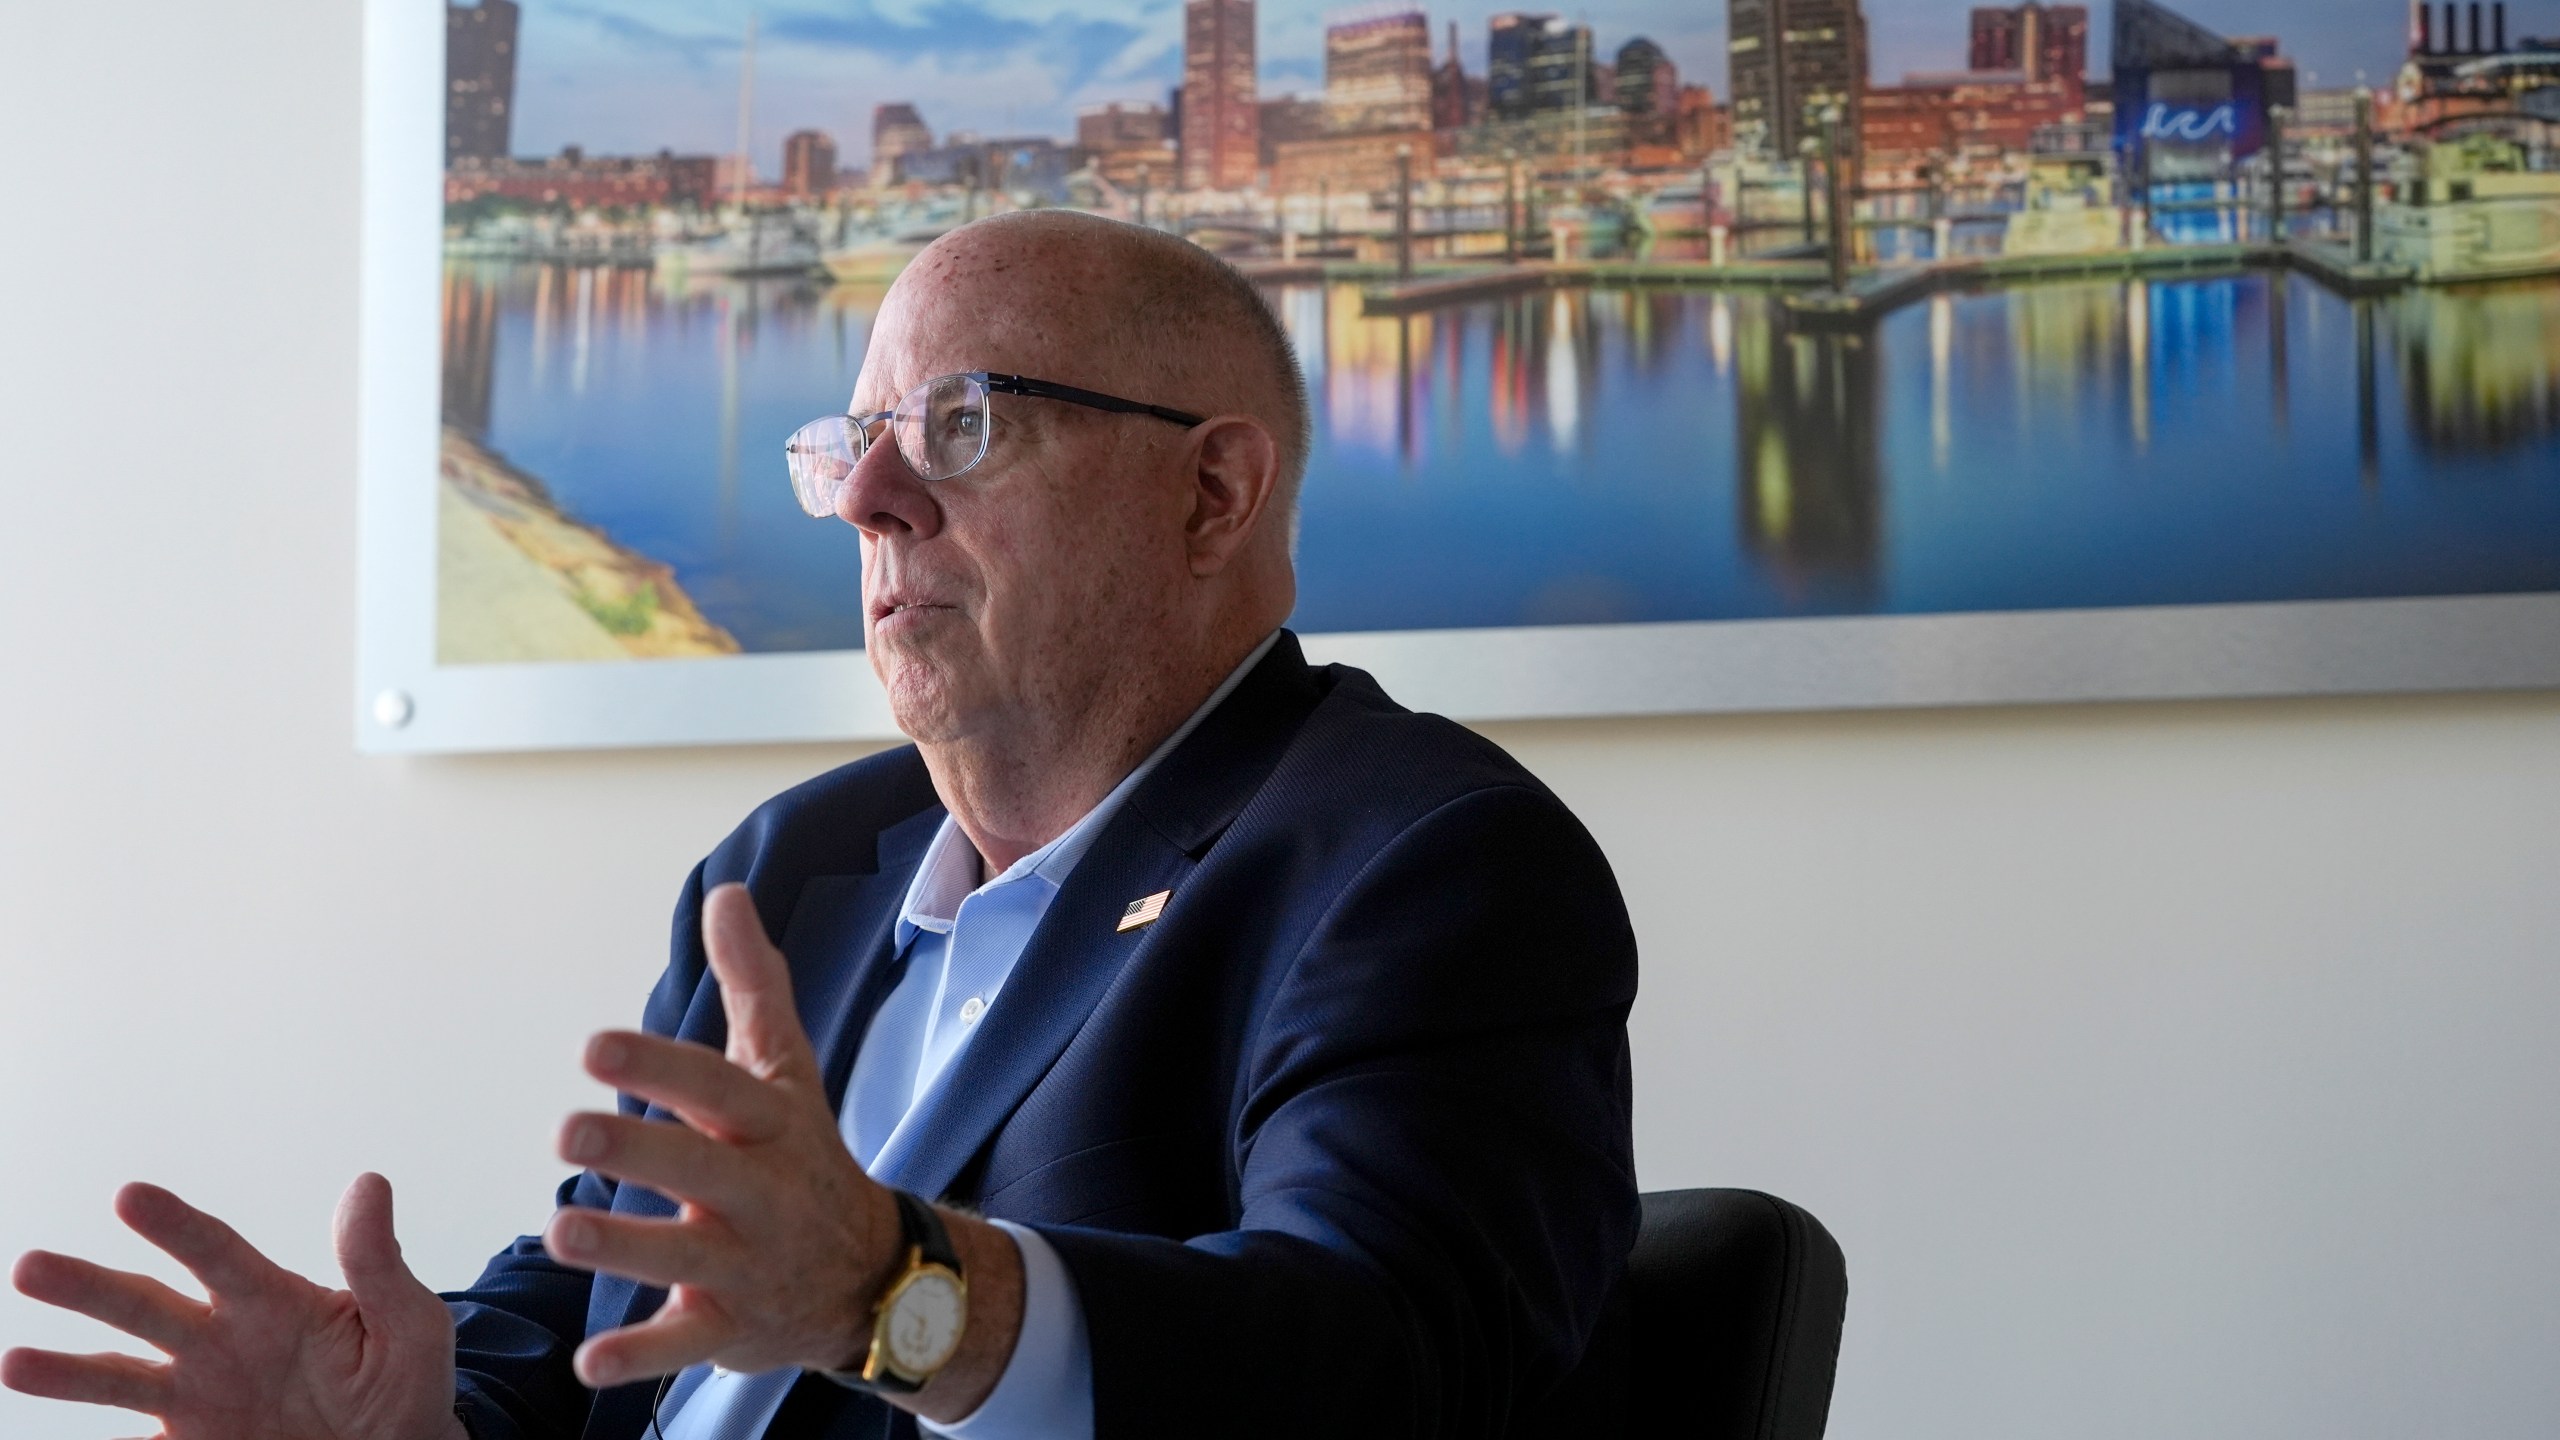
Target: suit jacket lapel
point(1152, 844)
point(842, 945)
point(1071, 960)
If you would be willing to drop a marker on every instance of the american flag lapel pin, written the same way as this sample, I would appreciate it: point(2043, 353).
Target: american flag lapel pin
point(1144, 910)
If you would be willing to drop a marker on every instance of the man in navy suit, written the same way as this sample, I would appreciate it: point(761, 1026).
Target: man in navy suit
point(1176, 1039)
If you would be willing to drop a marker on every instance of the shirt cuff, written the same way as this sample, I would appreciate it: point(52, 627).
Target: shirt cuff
point(1046, 1391)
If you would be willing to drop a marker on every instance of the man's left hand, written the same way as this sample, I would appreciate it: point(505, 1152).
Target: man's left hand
point(781, 1241)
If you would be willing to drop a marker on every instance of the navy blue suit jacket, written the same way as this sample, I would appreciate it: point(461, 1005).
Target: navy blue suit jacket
point(1340, 1146)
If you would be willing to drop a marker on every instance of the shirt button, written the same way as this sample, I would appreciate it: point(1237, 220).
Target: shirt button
point(971, 1009)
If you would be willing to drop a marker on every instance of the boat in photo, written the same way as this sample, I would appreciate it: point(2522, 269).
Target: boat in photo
point(894, 234)
point(760, 242)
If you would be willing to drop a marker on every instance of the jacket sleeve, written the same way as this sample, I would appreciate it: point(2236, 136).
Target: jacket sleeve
point(1433, 1156)
point(518, 1325)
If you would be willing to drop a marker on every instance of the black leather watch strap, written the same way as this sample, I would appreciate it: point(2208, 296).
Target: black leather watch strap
point(922, 1234)
point(920, 1227)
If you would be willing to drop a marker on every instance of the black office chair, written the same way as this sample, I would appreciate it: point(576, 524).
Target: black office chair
point(1738, 1298)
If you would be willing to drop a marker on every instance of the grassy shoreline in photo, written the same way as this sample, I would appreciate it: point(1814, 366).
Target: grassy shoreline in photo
point(519, 580)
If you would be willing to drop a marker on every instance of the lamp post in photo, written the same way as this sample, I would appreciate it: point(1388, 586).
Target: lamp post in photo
point(1142, 195)
point(1707, 212)
point(1804, 171)
point(2142, 194)
point(1404, 212)
point(1942, 225)
point(1835, 198)
point(2364, 176)
point(1530, 221)
point(2276, 115)
point(1510, 207)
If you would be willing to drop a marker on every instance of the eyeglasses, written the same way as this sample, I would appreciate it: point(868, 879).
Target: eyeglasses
point(940, 429)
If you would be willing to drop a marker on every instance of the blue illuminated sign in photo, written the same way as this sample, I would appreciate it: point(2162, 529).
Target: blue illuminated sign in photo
point(2162, 122)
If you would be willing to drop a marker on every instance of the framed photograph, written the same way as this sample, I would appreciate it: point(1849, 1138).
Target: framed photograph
point(1747, 355)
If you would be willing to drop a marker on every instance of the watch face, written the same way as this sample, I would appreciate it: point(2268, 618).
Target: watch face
point(921, 1325)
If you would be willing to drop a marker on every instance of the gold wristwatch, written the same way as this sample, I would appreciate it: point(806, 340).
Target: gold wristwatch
point(921, 1314)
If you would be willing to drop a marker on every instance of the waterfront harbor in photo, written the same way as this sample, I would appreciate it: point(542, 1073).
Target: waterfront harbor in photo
point(1589, 339)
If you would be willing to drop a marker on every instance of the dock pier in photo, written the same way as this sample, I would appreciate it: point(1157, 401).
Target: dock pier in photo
point(1431, 290)
point(1870, 294)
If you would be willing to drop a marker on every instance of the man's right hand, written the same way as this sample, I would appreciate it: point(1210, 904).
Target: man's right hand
point(272, 1356)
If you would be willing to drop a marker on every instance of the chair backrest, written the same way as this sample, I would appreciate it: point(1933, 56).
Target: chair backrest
point(1738, 1298)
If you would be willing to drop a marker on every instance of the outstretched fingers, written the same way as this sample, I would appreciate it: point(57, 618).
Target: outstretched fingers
point(136, 1304)
point(651, 1251)
point(755, 987)
point(212, 1251)
point(118, 1380)
point(682, 1333)
point(697, 1083)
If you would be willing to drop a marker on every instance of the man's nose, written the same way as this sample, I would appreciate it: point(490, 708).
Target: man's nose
point(881, 496)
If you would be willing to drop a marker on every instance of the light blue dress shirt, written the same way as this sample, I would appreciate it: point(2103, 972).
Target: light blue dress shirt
point(958, 940)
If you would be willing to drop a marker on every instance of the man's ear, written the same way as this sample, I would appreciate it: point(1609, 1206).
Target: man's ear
point(1234, 480)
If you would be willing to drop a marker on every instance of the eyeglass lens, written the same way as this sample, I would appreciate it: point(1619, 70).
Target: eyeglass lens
point(942, 427)
point(821, 455)
point(940, 430)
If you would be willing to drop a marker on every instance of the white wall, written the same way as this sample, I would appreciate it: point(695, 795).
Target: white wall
point(2165, 1071)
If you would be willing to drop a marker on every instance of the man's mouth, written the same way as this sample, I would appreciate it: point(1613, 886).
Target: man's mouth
point(894, 609)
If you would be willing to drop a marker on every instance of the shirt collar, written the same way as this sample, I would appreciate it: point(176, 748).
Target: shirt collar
point(949, 872)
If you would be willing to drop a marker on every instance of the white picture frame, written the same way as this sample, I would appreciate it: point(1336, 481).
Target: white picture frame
point(405, 702)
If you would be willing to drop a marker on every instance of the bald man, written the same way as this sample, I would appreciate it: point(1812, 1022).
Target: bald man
point(1175, 1039)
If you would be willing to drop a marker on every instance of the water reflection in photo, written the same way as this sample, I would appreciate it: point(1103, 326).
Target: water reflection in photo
point(1585, 455)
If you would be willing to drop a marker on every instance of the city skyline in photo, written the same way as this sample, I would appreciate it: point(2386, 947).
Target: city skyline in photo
point(637, 76)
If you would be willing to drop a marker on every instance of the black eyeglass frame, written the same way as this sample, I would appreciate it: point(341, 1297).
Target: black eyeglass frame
point(997, 383)
point(1095, 399)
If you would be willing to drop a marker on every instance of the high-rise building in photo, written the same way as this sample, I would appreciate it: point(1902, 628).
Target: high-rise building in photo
point(479, 80)
point(1539, 63)
point(1220, 130)
point(2061, 46)
point(2428, 39)
point(896, 129)
point(1563, 73)
point(808, 164)
point(1994, 39)
point(2041, 42)
point(1793, 60)
point(1647, 82)
point(1377, 74)
point(1510, 38)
